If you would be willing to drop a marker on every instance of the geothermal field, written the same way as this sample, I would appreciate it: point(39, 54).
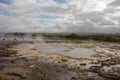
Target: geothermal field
point(33, 57)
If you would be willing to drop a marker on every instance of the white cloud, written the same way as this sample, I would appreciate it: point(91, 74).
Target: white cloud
point(76, 16)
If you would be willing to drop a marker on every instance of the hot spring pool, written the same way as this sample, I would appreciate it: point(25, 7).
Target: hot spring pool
point(67, 51)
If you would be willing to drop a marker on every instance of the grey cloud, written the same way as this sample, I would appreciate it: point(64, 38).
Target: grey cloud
point(94, 16)
point(106, 22)
point(115, 3)
point(79, 27)
point(91, 28)
point(75, 18)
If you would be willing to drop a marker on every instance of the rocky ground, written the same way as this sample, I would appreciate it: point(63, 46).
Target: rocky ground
point(20, 61)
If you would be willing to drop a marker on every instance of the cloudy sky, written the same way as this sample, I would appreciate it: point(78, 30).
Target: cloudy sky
point(60, 16)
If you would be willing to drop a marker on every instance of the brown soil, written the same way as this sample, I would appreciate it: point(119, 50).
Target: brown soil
point(18, 62)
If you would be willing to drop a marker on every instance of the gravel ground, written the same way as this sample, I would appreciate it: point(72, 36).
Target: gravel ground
point(21, 61)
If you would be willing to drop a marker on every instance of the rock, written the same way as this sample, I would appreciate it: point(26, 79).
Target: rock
point(83, 64)
point(109, 76)
point(64, 60)
point(112, 74)
point(16, 75)
point(95, 69)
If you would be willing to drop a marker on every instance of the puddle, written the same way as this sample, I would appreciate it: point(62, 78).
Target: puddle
point(67, 51)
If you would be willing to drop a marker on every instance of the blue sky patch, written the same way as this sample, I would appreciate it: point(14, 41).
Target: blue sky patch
point(6, 1)
point(50, 17)
point(8, 13)
point(61, 1)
